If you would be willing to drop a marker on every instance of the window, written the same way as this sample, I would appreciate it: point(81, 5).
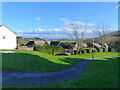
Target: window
point(3, 37)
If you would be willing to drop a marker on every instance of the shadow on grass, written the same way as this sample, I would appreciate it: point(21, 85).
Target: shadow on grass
point(33, 63)
point(28, 62)
point(72, 60)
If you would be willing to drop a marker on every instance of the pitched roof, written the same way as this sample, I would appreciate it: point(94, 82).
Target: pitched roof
point(8, 28)
point(39, 43)
point(30, 43)
point(84, 44)
point(54, 42)
point(97, 45)
point(67, 45)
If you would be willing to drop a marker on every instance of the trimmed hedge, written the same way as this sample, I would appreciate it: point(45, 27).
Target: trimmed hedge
point(111, 49)
point(105, 49)
point(82, 51)
point(89, 50)
point(99, 50)
point(49, 49)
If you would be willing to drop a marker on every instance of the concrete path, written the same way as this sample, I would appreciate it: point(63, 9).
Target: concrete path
point(10, 78)
point(7, 51)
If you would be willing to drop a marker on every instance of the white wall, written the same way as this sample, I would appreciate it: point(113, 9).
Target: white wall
point(10, 38)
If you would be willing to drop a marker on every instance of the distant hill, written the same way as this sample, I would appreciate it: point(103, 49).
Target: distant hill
point(22, 40)
point(113, 36)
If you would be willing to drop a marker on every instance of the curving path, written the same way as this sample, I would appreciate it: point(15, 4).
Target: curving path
point(11, 78)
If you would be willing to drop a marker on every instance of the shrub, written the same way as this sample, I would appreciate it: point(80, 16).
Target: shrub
point(105, 49)
point(95, 50)
point(111, 50)
point(89, 50)
point(82, 51)
point(49, 49)
point(99, 49)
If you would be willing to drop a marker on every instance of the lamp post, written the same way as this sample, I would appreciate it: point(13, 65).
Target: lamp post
point(93, 45)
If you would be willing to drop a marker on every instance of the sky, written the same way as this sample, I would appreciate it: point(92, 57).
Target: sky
point(47, 19)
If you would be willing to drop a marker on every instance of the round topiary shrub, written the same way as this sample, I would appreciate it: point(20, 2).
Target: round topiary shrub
point(82, 51)
point(99, 49)
point(95, 50)
point(105, 49)
point(89, 50)
point(111, 49)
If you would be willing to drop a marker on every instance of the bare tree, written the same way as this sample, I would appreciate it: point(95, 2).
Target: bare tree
point(76, 30)
point(102, 30)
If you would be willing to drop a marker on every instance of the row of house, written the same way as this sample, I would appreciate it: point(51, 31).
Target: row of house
point(68, 47)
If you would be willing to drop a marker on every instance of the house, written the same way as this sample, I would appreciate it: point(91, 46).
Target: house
point(32, 44)
point(104, 45)
point(69, 48)
point(96, 45)
point(7, 38)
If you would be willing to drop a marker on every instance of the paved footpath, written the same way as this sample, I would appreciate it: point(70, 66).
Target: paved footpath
point(11, 78)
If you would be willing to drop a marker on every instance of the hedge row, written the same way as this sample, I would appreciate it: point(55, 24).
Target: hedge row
point(49, 49)
point(90, 50)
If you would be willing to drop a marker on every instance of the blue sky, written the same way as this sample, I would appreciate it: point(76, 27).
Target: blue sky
point(49, 17)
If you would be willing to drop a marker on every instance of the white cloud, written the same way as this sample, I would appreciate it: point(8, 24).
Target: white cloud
point(63, 19)
point(57, 29)
point(30, 30)
point(90, 24)
point(38, 18)
point(77, 23)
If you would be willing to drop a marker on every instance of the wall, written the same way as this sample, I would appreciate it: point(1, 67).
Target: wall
point(9, 42)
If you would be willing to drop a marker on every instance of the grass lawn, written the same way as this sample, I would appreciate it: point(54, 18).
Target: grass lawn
point(101, 73)
point(33, 61)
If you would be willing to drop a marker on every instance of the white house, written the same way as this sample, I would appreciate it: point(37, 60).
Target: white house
point(7, 38)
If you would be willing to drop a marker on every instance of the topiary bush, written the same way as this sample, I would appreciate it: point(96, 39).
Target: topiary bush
point(105, 49)
point(82, 51)
point(89, 50)
point(49, 49)
point(95, 50)
point(111, 49)
point(99, 50)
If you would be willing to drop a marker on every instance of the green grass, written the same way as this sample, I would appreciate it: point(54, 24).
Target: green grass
point(101, 73)
point(33, 61)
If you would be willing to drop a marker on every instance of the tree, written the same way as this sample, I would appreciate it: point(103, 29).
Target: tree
point(102, 30)
point(76, 30)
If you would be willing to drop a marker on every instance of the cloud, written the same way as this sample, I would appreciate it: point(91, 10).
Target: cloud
point(77, 23)
point(38, 18)
point(55, 33)
point(63, 19)
point(90, 24)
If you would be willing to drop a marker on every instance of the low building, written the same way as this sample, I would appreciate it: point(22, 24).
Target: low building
point(7, 38)
point(104, 45)
point(32, 44)
point(96, 45)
